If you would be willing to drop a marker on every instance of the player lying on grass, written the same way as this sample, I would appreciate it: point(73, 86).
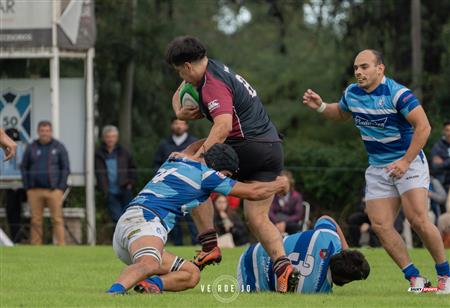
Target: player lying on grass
point(320, 255)
point(180, 185)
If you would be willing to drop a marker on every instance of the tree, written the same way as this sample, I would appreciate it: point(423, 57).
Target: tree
point(416, 48)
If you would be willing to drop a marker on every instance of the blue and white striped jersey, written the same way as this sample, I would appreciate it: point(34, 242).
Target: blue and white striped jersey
point(309, 252)
point(180, 185)
point(381, 118)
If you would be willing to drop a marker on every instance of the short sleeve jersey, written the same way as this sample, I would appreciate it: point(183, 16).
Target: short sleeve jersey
point(222, 91)
point(381, 118)
point(179, 186)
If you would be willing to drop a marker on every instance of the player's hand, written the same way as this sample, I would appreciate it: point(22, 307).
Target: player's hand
point(189, 113)
point(398, 168)
point(9, 147)
point(10, 150)
point(182, 155)
point(179, 155)
point(312, 99)
point(437, 160)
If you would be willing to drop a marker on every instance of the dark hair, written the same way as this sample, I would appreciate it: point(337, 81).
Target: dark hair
point(347, 266)
point(446, 123)
point(378, 56)
point(44, 123)
point(222, 157)
point(184, 49)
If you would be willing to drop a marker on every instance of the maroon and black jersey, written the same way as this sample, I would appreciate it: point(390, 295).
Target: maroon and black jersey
point(223, 91)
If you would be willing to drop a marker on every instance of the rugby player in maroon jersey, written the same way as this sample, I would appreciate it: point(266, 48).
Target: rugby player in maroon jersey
point(240, 120)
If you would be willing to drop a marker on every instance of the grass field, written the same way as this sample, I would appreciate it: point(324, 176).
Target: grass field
point(78, 276)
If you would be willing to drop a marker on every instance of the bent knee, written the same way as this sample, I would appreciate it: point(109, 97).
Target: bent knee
point(381, 227)
point(148, 265)
point(194, 274)
point(419, 223)
point(257, 220)
point(195, 278)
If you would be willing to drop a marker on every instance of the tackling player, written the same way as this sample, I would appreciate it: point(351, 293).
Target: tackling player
point(180, 185)
point(320, 255)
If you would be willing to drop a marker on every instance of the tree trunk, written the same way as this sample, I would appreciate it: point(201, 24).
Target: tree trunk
point(126, 90)
point(416, 48)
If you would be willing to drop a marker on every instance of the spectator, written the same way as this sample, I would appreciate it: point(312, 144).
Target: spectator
point(233, 202)
point(440, 157)
point(438, 197)
point(45, 168)
point(115, 171)
point(177, 142)
point(228, 224)
point(287, 212)
point(14, 197)
point(444, 224)
point(359, 223)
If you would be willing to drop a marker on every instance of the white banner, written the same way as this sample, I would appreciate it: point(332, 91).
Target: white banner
point(25, 14)
point(25, 102)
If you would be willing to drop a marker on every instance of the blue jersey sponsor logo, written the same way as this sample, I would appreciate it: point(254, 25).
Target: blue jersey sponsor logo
point(360, 121)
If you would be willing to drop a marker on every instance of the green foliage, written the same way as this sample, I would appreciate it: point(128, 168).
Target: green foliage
point(281, 55)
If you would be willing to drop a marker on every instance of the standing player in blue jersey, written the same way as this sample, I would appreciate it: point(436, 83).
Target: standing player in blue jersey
point(239, 119)
point(180, 185)
point(394, 129)
point(320, 255)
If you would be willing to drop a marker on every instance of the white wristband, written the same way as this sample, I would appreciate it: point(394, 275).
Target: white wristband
point(321, 108)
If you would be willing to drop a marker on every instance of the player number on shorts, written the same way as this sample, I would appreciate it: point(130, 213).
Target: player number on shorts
point(249, 88)
point(305, 267)
point(162, 173)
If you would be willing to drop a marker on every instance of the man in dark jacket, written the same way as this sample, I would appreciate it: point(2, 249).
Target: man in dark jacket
point(115, 171)
point(440, 157)
point(45, 168)
point(177, 142)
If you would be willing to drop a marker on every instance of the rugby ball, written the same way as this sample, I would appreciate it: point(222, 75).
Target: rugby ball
point(189, 96)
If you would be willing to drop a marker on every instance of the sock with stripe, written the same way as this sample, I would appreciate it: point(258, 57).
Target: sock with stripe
point(280, 264)
point(208, 240)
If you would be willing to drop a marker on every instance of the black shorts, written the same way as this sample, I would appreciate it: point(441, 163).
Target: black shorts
point(258, 161)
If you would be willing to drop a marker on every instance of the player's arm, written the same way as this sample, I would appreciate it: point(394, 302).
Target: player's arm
point(219, 132)
point(339, 232)
point(194, 147)
point(7, 144)
point(418, 119)
point(184, 113)
point(330, 111)
point(260, 190)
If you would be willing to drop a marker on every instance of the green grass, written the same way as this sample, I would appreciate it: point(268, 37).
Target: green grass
point(78, 276)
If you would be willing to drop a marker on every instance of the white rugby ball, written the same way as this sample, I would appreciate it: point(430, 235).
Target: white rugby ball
point(188, 101)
